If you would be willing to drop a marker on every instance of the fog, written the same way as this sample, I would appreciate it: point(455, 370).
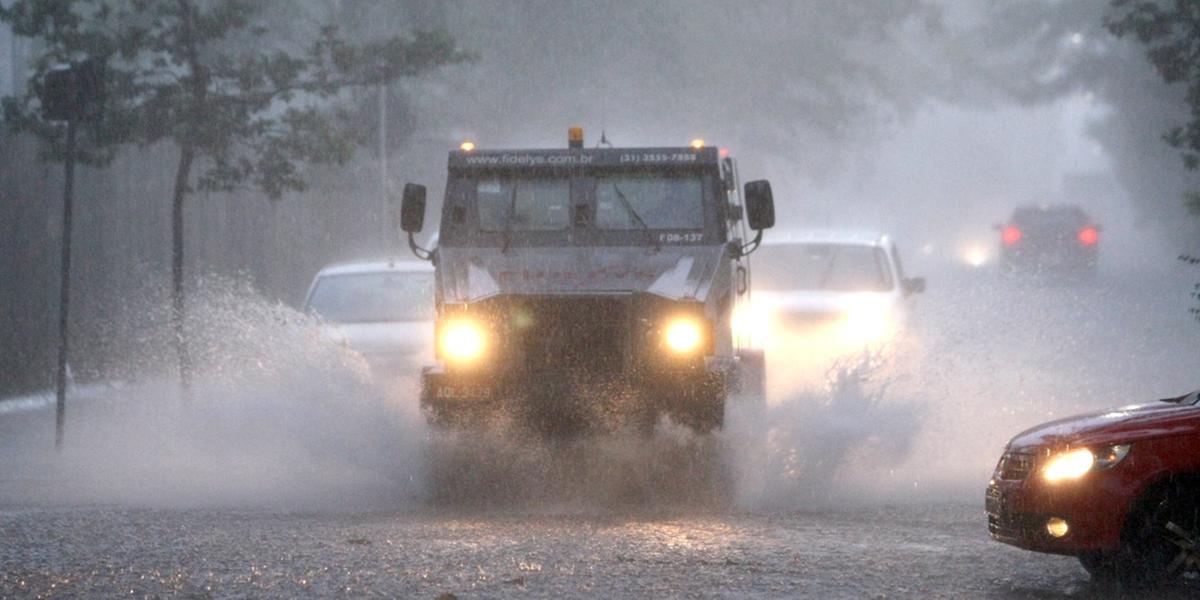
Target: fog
point(928, 121)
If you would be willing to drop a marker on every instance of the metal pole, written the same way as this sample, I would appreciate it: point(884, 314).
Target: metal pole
point(385, 242)
point(60, 409)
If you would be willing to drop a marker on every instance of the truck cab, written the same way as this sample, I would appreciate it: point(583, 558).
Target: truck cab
point(589, 289)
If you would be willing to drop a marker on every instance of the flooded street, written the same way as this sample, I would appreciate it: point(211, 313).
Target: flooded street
point(685, 299)
point(936, 550)
point(865, 491)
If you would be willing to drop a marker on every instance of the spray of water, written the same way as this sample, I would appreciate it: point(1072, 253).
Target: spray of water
point(278, 416)
point(282, 416)
point(809, 449)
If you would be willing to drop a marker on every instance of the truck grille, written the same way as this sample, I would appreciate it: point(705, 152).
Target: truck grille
point(573, 334)
point(1016, 465)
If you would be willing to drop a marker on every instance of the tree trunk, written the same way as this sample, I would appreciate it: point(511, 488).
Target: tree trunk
point(64, 302)
point(178, 307)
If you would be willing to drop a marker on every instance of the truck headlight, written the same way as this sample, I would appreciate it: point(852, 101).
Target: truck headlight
point(683, 335)
point(462, 341)
point(1073, 464)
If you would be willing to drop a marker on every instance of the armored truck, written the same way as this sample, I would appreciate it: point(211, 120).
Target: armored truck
point(590, 289)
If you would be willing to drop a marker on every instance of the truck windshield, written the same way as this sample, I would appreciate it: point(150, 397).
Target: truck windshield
point(661, 201)
point(373, 297)
point(827, 267)
point(523, 204)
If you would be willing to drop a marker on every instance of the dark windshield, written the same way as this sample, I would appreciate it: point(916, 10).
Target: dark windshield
point(373, 297)
point(827, 267)
point(604, 207)
point(523, 204)
point(662, 202)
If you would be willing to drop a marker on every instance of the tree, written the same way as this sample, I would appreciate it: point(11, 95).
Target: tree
point(1170, 30)
point(195, 74)
point(1171, 33)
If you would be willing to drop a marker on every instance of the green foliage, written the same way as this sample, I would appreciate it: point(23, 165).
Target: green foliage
point(1170, 30)
point(252, 112)
point(1171, 33)
point(1192, 201)
point(1193, 261)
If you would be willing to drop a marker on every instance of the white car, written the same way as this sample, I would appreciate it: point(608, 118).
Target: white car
point(382, 310)
point(841, 291)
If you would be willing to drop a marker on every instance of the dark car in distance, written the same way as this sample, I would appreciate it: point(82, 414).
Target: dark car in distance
point(1119, 490)
point(1049, 239)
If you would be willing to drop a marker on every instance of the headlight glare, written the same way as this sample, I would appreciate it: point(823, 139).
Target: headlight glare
point(866, 320)
point(865, 326)
point(1069, 465)
point(1073, 464)
point(462, 341)
point(683, 335)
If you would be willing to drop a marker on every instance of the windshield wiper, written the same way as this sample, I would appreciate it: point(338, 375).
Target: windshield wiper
point(637, 218)
point(512, 208)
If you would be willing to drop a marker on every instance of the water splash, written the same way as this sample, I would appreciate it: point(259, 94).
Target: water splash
point(278, 416)
point(805, 451)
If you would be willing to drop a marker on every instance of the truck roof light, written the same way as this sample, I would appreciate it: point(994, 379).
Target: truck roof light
point(575, 137)
point(467, 146)
point(697, 143)
point(723, 152)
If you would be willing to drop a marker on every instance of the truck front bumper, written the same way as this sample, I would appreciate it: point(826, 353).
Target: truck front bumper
point(460, 398)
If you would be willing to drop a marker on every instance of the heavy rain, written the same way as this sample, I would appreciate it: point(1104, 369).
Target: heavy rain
point(468, 299)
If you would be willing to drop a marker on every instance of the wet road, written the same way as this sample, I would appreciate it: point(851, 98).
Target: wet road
point(937, 550)
point(274, 490)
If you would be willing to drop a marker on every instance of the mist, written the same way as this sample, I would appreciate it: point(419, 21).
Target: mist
point(928, 121)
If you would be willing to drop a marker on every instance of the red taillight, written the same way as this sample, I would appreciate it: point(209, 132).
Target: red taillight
point(1010, 235)
point(1088, 236)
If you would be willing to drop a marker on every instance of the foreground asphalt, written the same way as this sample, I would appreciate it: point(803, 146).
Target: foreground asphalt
point(929, 551)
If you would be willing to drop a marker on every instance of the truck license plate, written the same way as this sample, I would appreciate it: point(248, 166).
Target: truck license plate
point(463, 392)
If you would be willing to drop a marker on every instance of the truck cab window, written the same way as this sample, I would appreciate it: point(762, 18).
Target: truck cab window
point(523, 204)
point(661, 201)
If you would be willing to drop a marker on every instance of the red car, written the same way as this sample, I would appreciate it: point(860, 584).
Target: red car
point(1120, 490)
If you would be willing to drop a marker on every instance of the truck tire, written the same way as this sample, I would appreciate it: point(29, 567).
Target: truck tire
point(702, 406)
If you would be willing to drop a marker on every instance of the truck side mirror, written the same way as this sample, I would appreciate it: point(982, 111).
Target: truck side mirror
point(760, 205)
point(412, 208)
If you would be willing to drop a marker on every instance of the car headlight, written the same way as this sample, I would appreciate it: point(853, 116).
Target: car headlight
point(752, 323)
point(975, 256)
point(462, 341)
point(867, 322)
point(1073, 464)
point(683, 335)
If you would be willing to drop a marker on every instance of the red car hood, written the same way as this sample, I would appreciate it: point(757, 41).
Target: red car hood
point(1122, 425)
